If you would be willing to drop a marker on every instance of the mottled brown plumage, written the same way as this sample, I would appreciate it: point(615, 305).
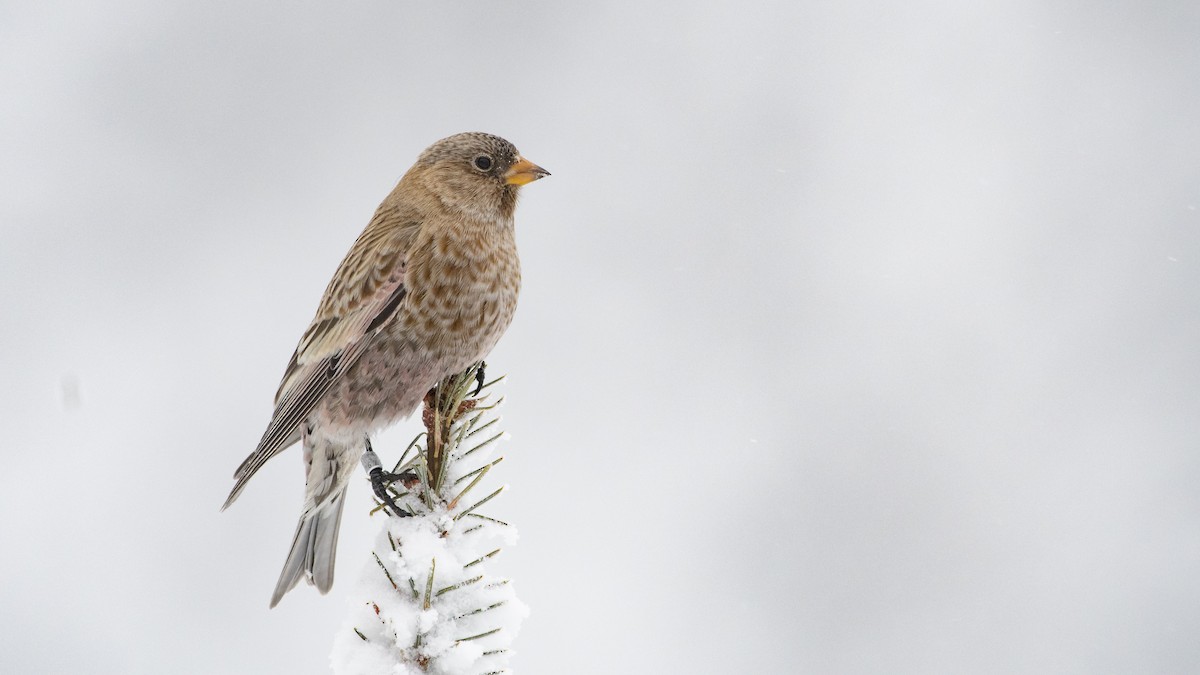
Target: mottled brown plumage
point(427, 289)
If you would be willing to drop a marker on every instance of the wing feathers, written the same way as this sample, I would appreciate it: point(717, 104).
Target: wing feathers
point(364, 295)
point(290, 412)
point(388, 310)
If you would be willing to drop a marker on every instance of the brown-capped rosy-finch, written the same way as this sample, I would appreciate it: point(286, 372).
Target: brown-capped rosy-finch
point(426, 291)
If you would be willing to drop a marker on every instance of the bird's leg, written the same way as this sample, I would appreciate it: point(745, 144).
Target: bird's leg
point(479, 377)
point(381, 480)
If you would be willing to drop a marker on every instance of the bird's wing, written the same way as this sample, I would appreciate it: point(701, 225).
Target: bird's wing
point(363, 296)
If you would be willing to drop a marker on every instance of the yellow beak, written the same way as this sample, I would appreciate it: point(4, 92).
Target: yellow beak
point(524, 171)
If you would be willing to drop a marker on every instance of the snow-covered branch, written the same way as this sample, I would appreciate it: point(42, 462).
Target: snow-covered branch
point(426, 602)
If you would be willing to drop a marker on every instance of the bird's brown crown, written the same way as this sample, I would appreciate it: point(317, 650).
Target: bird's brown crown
point(476, 173)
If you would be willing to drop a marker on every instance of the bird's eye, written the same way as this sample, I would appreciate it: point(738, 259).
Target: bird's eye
point(483, 162)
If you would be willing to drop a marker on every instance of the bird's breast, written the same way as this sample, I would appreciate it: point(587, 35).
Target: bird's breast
point(462, 291)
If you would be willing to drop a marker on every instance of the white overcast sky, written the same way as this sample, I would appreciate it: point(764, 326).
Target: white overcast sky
point(856, 337)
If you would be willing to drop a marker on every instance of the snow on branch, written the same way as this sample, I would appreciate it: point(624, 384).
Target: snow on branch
point(426, 602)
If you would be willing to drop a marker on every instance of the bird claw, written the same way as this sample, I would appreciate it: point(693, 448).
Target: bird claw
point(479, 377)
point(380, 482)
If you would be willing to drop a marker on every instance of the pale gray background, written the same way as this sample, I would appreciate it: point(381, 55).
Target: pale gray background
point(856, 337)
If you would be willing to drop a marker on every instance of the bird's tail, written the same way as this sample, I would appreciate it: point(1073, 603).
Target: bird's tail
point(313, 548)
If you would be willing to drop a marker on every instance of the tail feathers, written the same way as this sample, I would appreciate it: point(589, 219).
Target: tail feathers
point(314, 548)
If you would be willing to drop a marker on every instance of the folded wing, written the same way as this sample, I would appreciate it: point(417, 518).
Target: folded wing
point(365, 293)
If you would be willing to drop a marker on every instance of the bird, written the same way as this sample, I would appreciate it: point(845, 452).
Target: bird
point(425, 291)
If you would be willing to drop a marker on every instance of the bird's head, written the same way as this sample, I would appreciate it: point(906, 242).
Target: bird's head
point(476, 173)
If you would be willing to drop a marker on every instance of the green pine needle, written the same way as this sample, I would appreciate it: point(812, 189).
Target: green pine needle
point(481, 559)
point(481, 502)
point(484, 444)
point(385, 571)
point(459, 585)
point(489, 519)
point(485, 467)
point(481, 610)
point(429, 583)
point(481, 635)
point(483, 471)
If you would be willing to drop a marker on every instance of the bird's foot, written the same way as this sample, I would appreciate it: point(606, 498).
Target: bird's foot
point(382, 480)
point(479, 378)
